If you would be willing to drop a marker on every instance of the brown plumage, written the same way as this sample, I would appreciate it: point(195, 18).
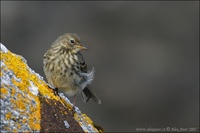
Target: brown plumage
point(65, 68)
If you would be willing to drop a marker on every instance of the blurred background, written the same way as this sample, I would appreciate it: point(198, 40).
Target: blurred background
point(146, 56)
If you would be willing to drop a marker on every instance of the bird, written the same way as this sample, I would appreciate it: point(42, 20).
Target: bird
point(65, 68)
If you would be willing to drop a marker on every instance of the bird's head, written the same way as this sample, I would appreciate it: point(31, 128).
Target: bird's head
point(71, 42)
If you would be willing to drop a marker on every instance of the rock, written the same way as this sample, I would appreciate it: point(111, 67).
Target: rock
point(29, 105)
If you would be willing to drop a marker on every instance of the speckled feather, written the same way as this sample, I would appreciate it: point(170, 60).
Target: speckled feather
point(65, 68)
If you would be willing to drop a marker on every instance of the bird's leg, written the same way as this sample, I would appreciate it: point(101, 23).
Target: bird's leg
point(74, 103)
point(56, 91)
point(74, 100)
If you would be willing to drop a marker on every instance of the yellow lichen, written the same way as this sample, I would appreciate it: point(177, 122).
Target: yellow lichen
point(15, 130)
point(8, 115)
point(86, 119)
point(4, 91)
point(19, 68)
point(24, 121)
point(1, 73)
point(13, 102)
point(66, 104)
point(18, 126)
point(13, 91)
point(21, 104)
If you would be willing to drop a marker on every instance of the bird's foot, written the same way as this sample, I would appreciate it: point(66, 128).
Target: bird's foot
point(54, 89)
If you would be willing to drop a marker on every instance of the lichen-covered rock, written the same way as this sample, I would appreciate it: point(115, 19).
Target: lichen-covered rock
point(29, 105)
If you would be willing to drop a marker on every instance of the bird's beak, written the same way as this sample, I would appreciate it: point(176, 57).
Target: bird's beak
point(81, 47)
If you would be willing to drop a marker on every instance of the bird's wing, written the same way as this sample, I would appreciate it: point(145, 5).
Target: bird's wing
point(83, 66)
point(87, 92)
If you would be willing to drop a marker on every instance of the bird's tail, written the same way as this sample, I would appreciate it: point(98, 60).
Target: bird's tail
point(87, 93)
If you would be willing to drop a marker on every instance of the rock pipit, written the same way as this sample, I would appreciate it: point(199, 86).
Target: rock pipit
point(66, 70)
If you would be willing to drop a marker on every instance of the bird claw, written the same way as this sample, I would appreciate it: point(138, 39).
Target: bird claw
point(54, 89)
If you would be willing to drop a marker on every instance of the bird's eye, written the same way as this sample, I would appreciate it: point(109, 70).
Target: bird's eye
point(72, 41)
